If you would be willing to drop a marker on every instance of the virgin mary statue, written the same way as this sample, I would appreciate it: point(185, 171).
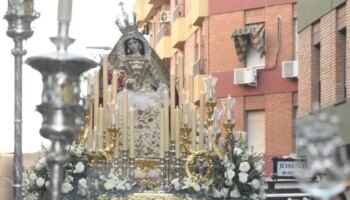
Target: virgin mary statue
point(145, 77)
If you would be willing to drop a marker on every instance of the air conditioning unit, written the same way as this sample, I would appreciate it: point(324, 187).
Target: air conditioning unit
point(290, 69)
point(245, 76)
point(164, 17)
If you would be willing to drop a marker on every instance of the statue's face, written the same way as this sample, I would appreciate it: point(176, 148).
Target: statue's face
point(134, 46)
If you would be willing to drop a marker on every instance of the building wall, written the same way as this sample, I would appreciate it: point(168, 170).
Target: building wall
point(330, 76)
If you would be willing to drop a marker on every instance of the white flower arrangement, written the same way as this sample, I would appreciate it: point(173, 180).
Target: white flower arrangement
point(74, 183)
point(242, 172)
point(191, 185)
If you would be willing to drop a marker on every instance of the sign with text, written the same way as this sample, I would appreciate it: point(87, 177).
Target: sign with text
point(286, 167)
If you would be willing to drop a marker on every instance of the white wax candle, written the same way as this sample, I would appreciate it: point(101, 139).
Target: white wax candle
point(181, 78)
point(64, 10)
point(105, 79)
point(201, 120)
point(191, 88)
point(96, 96)
point(116, 149)
point(172, 106)
point(125, 119)
point(114, 85)
point(162, 134)
point(95, 138)
point(166, 120)
point(132, 132)
point(193, 126)
point(177, 133)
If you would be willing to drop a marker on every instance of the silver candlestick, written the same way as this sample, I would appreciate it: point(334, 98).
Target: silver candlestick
point(60, 108)
point(116, 167)
point(166, 169)
point(131, 168)
point(19, 15)
point(162, 172)
point(125, 162)
point(177, 168)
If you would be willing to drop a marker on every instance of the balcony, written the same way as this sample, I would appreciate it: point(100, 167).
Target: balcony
point(199, 10)
point(178, 29)
point(158, 3)
point(162, 47)
point(144, 11)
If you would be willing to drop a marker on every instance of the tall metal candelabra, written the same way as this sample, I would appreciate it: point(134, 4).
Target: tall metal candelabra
point(60, 108)
point(19, 16)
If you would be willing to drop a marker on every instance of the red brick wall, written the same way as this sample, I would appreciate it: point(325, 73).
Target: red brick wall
point(331, 74)
point(328, 61)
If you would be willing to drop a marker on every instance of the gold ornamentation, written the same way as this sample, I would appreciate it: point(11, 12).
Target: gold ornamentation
point(145, 196)
point(98, 156)
point(186, 143)
point(191, 161)
point(228, 125)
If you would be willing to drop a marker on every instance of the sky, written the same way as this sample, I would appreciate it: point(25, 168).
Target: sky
point(92, 25)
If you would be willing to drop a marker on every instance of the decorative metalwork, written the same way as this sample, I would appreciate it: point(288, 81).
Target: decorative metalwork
point(60, 107)
point(318, 140)
point(105, 155)
point(19, 16)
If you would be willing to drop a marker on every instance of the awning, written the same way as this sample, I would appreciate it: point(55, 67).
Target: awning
point(255, 35)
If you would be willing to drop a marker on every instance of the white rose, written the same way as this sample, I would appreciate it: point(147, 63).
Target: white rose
point(216, 193)
point(254, 196)
point(69, 179)
point(47, 184)
point(230, 166)
point(303, 198)
point(82, 183)
point(259, 166)
point(79, 168)
point(224, 192)
point(235, 193)
point(229, 182)
point(109, 185)
point(40, 164)
point(127, 186)
point(40, 182)
point(32, 177)
point(187, 183)
point(255, 184)
point(244, 166)
point(243, 177)
point(79, 151)
point(120, 186)
point(66, 188)
point(229, 174)
point(237, 151)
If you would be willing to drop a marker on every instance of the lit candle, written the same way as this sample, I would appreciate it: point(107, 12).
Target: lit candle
point(210, 85)
point(181, 78)
point(228, 105)
point(191, 88)
point(186, 109)
point(183, 97)
point(172, 106)
point(132, 132)
point(193, 126)
point(96, 96)
point(105, 79)
point(177, 133)
point(114, 85)
point(125, 119)
point(201, 120)
point(162, 134)
point(64, 10)
point(166, 120)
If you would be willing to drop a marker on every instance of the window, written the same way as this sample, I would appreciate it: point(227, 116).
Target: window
point(250, 45)
point(296, 40)
point(256, 130)
point(315, 64)
point(253, 57)
point(341, 65)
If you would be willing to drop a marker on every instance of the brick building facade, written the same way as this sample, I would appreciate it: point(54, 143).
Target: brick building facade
point(323, 59)
point(200, 31)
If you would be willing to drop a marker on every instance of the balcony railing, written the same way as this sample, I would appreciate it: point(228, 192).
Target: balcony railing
point(199, 67)
point(179, 11)
point(165, 30)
